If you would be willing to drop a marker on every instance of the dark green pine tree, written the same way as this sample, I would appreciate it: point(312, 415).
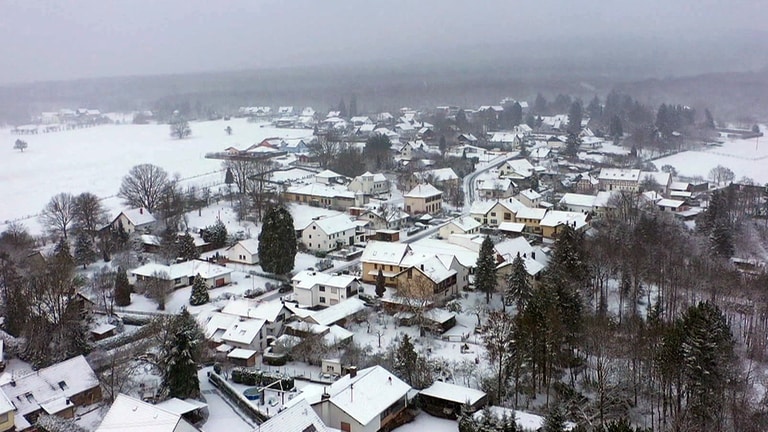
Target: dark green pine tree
point(199, 294)
point(406, 358)
point(180, 356)
point(229, 178)
point(443, 144)
point(277, 241)
point(84, 250)
point(122, 288)
point(595, 109)
point(575, 115)
point(342, 108)
point(485, 270)
point(569, 259)
point(555, 420)
point(518, 290)
point(216, 234)
point(572, 144)
point(616, 130)
point(186, 249)
point(515, 114)
point(709, 121)
point(353, 105)
point(467, 422)
point(62, 255)
point(380, 285)
point(721, 239)
point(708, 362)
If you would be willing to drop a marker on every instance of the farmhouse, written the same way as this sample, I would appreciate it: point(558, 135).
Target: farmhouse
point(554, 222)
point(578, 202)
point(429, 279)
point(338, 313)
point(246, 334)
point(274, 313)
point(619, 179)
point(324, 195)
point(183, 274)
point(133, 219)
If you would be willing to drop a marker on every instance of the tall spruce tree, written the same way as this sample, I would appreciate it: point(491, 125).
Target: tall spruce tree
point(518, 286)
point(277, 241)
point(555, 420)
point(180, 355)
point(199, 294)
point(122, 288)
point(485, 270)
point(575, 115)
point(84, 250)
point(410, 366)
point(186, 249)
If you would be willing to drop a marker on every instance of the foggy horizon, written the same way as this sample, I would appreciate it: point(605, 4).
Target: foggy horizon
point(55, 42)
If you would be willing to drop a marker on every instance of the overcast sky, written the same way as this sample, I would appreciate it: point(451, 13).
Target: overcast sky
point(55, 39)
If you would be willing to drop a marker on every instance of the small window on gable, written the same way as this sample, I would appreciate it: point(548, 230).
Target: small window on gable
point(63, 385)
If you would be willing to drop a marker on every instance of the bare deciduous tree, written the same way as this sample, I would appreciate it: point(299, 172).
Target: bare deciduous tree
point(89, 214)
point(144, 186)
point(58, 214)
point(157, 287)
point(325, 149)
point(180, 128)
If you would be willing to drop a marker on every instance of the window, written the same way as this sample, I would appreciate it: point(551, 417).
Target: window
point(345, 427)
point(314, 226)
point(493, 213)
point(322, 299)
point(310, 236)
point(3, 417)
point(322, 288)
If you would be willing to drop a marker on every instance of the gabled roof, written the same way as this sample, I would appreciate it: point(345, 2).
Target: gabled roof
point(530, 213)
point(423, 191)
point(434, 269)
point(384, 252)
point(466, 223)
point(337, 312)
point(334, 224)
point(247, 308)
point(439, 174)
point(322, 190)
point(243, 332)
point(250, 245)
point(306, 279)
point(619, 174)
point(368, 394)
point(580, 200)
point(214, 324)
point(328, 174)
point(133, 415)
point(186, 269)
point(50, 388)
point(508, 249)
point(530, 194)
point(300, 417)
point(453, 393)
point(554, 218)
point(138, 216)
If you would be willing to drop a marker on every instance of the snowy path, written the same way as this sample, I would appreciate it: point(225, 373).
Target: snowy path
point(222, 416)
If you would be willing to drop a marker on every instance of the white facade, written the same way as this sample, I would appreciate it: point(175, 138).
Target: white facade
point(244, 251)
point(370, 184)
point(327, 234)
point(313, 289)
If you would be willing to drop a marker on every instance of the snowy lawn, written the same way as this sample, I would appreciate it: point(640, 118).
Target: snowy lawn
point(96, 159)
point(425, 422)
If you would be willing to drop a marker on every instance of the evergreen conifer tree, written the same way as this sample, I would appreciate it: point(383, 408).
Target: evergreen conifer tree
point(555, 420)
point(277, 241)
point(199, 294)
point(186, 249)
point(62, 255)
point(518, 285)
point(122, 288)
point(180, 355)
point(485, 271)
point(575, 115)
point(84, 250)
point(380, 286)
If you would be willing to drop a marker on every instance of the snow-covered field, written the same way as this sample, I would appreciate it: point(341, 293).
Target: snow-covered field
point(746, 158)
point(96, 159)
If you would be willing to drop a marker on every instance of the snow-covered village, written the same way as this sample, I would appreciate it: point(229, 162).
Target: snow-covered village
point(582, 252)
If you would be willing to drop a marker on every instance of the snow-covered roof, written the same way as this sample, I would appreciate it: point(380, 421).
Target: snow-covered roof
point(214, 324)
point(299, 417)
point(481, 207)
point(662, 178)
point(334, 224)
point(138, 216)
point(669, 203)
point(439, 174)
point(249, 308)
point(558, 217)
point(580, 200)
point(520, 168)
point(375, 389)
point(509, 248)
point(434, 269)
point(306, 279)
point(503, 137)
point(50, 387)
point(337, 312)
point(250, 245)
point(430, 247)
point(530, 194)
point(453, 393)
point(337, 334)
point(679, 186)
point(619, 174)
point(242, 354)
point(516, 227)
point(466, 223)
point(423, 191)
point(186, 269)
point(384, 252)
point(322, 190)
point(181, 406)
point(243, 332)
point(530, 213)
point(328, 174)
point(133, 415)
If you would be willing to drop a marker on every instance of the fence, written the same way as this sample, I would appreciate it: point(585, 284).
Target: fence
point(235, 397)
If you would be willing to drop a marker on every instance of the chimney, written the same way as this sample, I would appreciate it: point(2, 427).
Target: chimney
point(325, 395)
point(533, 255)
point(141, 210)
point(422, 267)
point(352, 371)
